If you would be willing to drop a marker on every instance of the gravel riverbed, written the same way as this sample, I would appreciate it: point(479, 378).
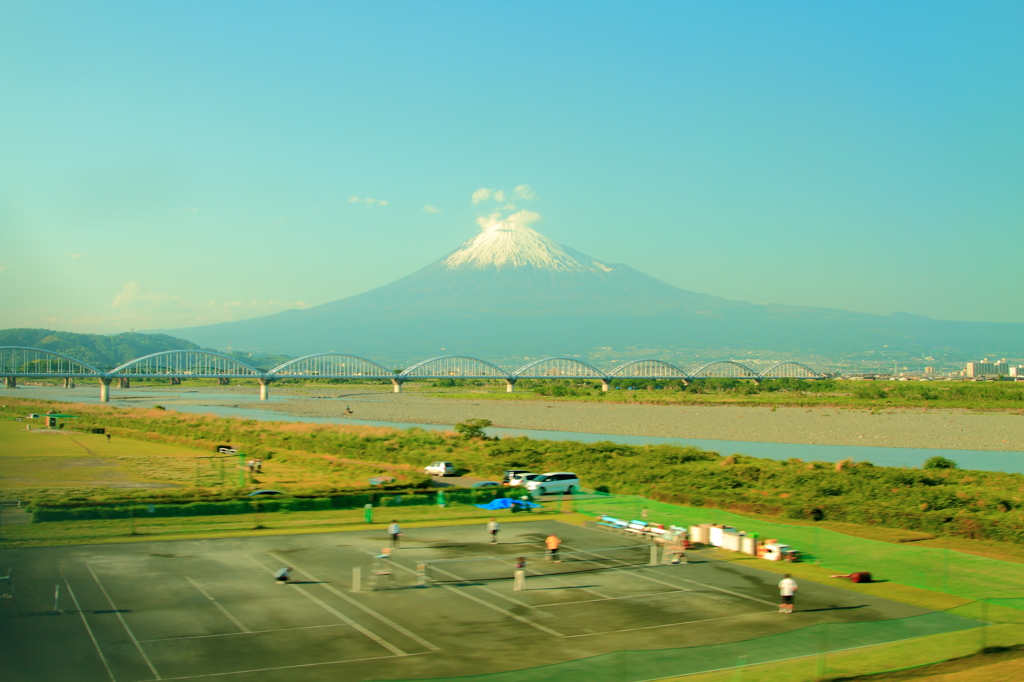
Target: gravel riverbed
point(904, 428)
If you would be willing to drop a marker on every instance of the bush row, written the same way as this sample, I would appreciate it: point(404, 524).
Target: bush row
point(390, 499)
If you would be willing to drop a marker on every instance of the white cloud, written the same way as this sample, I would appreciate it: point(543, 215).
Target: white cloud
point(524, 192)
point(523, 217)
point(498, 195)
point(487, 221)
point(370, 201)
point(431, 209)
point(76, 255)
point(3, 269)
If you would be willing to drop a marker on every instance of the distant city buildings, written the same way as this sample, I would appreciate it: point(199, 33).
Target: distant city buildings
point(985, 368)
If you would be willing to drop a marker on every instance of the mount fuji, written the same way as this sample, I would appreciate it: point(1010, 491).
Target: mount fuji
point(512, 292)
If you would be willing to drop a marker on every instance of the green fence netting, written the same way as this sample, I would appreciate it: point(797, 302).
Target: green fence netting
point(816, 640)
point(942, 570)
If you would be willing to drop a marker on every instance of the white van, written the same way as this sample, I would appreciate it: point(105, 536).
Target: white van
point(440, 469)
point(554, 482)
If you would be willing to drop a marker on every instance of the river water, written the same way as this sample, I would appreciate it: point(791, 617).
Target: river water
point(250, 407)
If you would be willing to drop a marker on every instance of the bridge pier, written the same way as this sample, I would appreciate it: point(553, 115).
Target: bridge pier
point(124, 382)
point(510, 385)
point(69, 382)
point(397, 385)
point(264, 388)
point(105, 389)
point(223, 381)
point(10, 382)
point(606, 385)
point(175, 381)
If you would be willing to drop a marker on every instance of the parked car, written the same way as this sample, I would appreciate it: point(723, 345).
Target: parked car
point(554, 482)
point(440, 469)
point(515, 476)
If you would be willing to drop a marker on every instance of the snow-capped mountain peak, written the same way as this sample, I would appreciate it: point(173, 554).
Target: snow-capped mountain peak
point(506, 244)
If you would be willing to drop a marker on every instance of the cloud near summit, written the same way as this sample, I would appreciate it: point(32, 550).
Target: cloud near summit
point(524, 192)
point(522, 217)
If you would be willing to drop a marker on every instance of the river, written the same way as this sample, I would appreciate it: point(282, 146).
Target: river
point(250, 407)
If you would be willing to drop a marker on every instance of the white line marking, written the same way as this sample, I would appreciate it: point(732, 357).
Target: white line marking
point(341, 616)
point(665, 625)
point(290, 667)
point(382, 618)
point(88, 629)
point(247, 632)
point(686, 580)
point(488, 604)
point(556, 579)
point(590, 601)
point(117, 613)
point(218, 605)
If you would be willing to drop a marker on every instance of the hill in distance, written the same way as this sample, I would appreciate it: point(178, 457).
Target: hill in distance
point(512, 292)
point(102, 352)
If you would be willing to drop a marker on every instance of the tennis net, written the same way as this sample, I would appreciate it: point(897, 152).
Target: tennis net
point(475, 569)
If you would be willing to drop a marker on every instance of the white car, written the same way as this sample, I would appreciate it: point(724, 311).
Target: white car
point(554, 482)
point(440, 469)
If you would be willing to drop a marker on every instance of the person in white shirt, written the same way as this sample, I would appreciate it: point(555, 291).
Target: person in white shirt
point(492, 528)
point(395, 532)
point(787, 588)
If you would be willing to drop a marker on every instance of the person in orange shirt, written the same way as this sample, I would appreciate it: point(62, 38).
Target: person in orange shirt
point(553, 543)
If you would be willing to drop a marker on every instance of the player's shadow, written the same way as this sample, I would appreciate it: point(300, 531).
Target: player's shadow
point(306, 582)
point(564, 587)
point(836, 608)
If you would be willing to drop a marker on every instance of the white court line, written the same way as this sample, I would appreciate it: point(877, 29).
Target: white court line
point(218, 605)
point(687, 580)
point(591, 601)
point(88, 629)
point(488, 604)
point(292, 667)
point(379, 616)
point(117, 613)
point(340, 616)
point(247, 632)
point(556, 579)
point(664, 625)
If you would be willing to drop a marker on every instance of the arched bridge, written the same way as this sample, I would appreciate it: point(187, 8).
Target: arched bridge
point(174, 365)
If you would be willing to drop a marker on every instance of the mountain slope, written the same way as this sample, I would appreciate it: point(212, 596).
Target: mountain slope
point(510, 291)
point(102, 352)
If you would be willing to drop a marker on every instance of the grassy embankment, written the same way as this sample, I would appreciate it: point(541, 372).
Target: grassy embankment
point(314, 460)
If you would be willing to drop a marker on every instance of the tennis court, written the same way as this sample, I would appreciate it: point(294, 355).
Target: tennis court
point(210, 609)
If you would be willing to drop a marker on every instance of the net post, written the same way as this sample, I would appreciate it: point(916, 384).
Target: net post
point(421, 575)
point(357, 579)
point(654, 555)
point(519, 583)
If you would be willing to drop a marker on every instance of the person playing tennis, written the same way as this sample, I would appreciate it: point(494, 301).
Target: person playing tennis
point(787, 588)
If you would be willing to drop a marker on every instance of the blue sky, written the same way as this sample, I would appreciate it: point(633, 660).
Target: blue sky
point(165, 164)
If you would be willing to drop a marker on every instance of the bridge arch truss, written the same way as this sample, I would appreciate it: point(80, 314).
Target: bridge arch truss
point(330, 366)
point(185, 364)
point(454, 366)
point(724, 369)
point(648, 369)
point(558, 368)
point(790, 370)
point(22, 361)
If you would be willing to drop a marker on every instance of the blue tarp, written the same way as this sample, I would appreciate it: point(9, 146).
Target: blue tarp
point(506, 503)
